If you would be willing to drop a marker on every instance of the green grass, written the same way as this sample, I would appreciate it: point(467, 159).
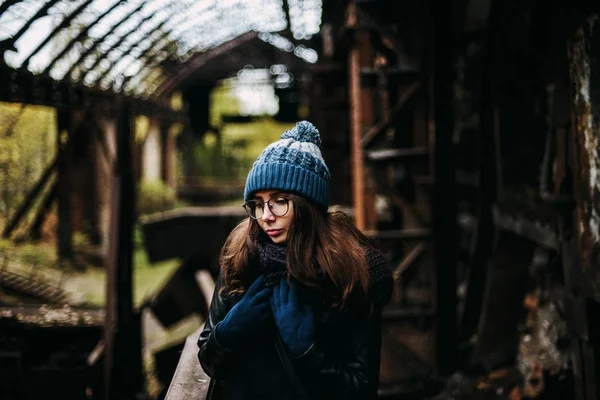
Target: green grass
point(149, 278)
point(87, 286)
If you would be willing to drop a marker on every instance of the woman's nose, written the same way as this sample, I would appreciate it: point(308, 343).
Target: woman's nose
point(267, 214)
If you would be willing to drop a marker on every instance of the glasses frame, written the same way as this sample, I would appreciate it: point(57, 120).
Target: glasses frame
point(268, 203)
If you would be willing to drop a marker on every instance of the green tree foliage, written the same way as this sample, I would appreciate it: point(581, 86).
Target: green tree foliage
point(230, 151)
point(154, 196)
point(28, 137)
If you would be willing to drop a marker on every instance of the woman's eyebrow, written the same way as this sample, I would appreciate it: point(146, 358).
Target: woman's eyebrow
point(270, 196)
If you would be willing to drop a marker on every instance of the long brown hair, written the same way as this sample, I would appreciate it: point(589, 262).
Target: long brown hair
point(325, 252)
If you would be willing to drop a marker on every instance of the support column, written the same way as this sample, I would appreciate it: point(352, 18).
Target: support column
point(358, 189)
point(152, 154)
point(123, 358)
point(444, 206)
point(169, 155)
point(66, 121)
point(198, 99)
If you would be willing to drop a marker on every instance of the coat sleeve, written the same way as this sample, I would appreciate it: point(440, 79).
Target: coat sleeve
point(356, 377)
point(214, 358)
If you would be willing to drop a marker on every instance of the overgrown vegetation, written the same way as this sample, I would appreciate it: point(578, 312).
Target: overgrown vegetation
point(228, 151)
point(28, 138)
point(154, 196)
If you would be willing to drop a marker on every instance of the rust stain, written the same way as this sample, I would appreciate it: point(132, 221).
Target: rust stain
point(585, 79)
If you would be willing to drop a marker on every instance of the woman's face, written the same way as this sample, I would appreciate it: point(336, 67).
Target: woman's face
point(275, 221)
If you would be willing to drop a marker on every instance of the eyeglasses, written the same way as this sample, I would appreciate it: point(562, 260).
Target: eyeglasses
point(279, 206)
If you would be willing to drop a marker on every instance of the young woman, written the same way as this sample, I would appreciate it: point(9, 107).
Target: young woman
point(296, 312)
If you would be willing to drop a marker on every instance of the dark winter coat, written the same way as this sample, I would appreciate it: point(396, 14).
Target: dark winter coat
point(342, 364)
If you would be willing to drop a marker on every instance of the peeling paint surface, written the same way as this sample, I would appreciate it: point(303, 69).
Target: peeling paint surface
point(584, 48)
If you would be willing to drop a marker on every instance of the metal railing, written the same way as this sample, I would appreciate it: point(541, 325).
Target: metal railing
point(189, 380)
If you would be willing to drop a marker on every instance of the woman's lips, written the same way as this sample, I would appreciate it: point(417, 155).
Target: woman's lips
point(274, 232)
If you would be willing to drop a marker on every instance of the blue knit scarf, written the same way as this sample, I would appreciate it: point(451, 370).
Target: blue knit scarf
point(272, 259)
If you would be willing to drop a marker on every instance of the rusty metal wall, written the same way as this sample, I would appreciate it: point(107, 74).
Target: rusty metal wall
point(583, 50)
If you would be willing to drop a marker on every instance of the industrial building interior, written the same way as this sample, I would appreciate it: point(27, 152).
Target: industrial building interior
point(463, 136)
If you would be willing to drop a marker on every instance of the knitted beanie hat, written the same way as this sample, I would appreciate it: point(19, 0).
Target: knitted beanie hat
point(292, 164)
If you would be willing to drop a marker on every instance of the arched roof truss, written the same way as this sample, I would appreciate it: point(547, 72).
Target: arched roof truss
point(123, 45)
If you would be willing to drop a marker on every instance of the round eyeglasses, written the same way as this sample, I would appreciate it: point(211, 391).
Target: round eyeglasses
point(279, 206)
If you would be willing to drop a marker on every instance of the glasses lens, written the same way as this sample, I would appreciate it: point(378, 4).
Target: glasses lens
point(254, 209)
point(279, 206)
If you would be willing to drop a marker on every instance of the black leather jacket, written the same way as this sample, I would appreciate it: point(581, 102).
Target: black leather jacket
point(342, 364)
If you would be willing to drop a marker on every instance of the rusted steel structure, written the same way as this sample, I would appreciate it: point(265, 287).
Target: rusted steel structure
point(463, 134)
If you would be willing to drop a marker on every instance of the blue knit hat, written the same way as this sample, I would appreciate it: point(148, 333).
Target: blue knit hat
point(292, 164)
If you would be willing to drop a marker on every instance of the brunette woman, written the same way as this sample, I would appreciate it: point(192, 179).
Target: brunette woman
point(296, 312)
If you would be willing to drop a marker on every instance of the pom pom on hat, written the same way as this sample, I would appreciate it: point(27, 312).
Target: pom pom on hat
point(304, 131)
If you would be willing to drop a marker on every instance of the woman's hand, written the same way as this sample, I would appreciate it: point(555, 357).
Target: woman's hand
point(294, 320)
point(248, 318)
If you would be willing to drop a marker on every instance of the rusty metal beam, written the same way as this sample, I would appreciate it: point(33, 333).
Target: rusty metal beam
point(125, 36)
point(409, 260)
point(152, 61)
point(83, 32)
point(154, 54)
point(382, 28)
point(79, 37)
point(113, 47)
point(355, 122)
point(126, 52)
point(376, 129)
point(64, 23)
point(584, 71)
point(195, 63)
point(9, 44)
point(92, 48)
point(582, 268)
